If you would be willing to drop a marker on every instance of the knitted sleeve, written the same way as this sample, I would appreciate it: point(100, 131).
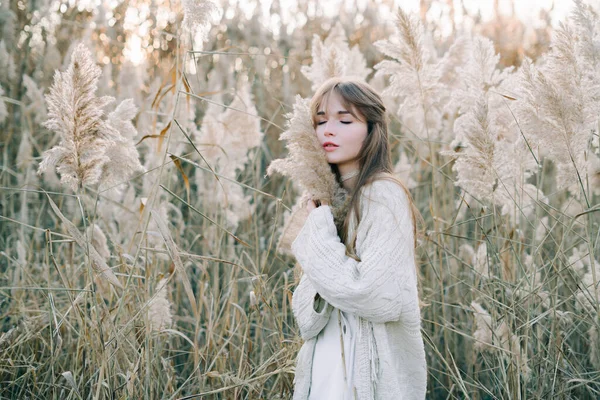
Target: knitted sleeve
point(311, 311)
point(377, 287)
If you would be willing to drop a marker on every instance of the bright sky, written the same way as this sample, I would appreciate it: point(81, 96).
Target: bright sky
point(526, 10)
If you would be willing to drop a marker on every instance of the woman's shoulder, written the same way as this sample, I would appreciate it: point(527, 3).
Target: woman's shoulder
point(385, 198)
point(384, 187)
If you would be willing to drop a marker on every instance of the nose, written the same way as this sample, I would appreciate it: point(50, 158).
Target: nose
point(328, 131)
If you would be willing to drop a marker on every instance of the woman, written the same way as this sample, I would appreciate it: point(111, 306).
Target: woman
point(357, 303)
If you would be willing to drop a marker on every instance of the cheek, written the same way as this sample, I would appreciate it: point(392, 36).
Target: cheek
point(319, 131)
point(358, 138)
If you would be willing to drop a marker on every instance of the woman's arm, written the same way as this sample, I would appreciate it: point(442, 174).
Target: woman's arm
point(311, 311)
point(379, 286)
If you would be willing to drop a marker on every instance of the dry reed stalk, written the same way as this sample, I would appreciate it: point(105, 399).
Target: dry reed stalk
point(174, 254)
point(98, 262)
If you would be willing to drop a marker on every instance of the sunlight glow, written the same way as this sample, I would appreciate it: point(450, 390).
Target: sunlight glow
point(287, 14)
point(133, 51)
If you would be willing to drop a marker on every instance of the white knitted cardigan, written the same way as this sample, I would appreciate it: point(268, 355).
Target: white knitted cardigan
point(381, 290)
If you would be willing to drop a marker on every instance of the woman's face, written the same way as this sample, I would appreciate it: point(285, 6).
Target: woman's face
point(336, 125)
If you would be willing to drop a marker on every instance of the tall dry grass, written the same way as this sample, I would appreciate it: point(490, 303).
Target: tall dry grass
point(144, 263)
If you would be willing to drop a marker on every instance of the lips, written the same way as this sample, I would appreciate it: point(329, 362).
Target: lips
point(330, 145)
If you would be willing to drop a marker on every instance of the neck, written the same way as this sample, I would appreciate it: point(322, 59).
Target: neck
point(349, 177)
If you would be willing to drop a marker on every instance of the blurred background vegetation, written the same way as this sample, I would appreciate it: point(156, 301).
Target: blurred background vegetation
point(229, 331)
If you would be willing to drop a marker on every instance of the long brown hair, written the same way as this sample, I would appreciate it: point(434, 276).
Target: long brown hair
point(375, 161)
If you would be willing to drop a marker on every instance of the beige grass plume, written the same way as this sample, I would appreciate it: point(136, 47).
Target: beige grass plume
point(334, 57)
point(124, 159)
point(490, 336)
point(307, 166)
point(228, 138)
point(36, 105)
point(159, 308)
point(560, 102)
point(3, 110)
point(75, 113)
point(414, 77)
point(91, 150)
point(7, 64)
point(197, 15)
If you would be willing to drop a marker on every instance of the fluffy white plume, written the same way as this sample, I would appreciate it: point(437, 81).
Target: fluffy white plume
point(306, 163)
point(159, 308)
point(414, 79)
point(230, 197)
point(227, 136)
point(240, 130)
point(475, 164)
point(492, 336)
point(7, 65)
point(36, 105)
point(478, 259)
point(334, 58)
point(561, 98)
point(477, 77)
point(453, 60)
point(307, 166)
point(541, 230)
point(209, 138)
point(75, 114)
point(123, 156)
point(587, 27)
point(402, 170)
point(588, 270)
point(3, 110)
point(594, 340)
point(197, 15)
point(25, 152)
point(226, 139)
point(483, 327)
point(52, 60)
point(90, 150)
point(494, 163)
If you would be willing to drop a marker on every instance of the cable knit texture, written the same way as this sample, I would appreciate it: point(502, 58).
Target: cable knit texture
point(381, 290)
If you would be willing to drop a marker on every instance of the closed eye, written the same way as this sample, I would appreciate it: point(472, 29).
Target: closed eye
point(346, 122)
point(321, 122)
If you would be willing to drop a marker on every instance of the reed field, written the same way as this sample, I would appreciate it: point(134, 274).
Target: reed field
point(140, 253)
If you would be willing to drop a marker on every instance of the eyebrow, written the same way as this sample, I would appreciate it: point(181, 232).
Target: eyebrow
point(339, 112)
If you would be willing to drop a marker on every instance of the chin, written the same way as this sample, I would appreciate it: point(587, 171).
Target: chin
point(332, 160)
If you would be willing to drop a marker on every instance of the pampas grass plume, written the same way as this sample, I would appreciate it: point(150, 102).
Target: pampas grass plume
point(123, 157)
point(159, 308)
point(91, 150)
point(333, 58)
point(197, 15)
point(3, 110)
point(75, 113)
point(306, 163)
point(307, 166)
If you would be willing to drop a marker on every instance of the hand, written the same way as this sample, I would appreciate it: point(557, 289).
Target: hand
point(312, 204)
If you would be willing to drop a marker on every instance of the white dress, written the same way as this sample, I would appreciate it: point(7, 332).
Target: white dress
point(327, 377)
